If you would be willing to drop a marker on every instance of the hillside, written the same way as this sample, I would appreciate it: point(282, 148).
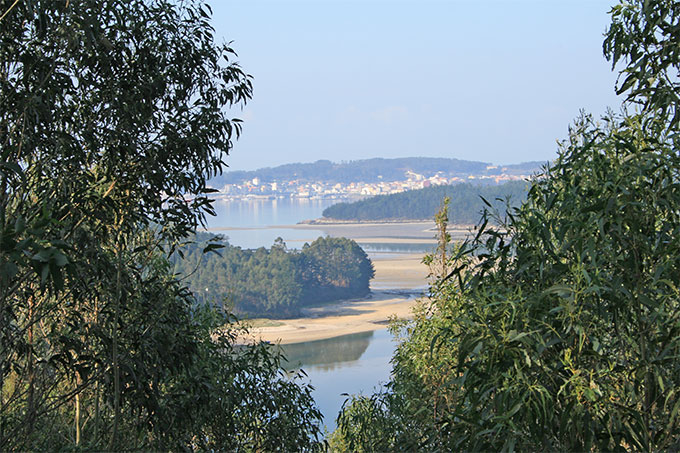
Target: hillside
point(465, 205)
point(373, 170)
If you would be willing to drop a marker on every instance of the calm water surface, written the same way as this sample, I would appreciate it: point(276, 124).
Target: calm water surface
point(265, 213)
point(352, 364)
point(257, 223)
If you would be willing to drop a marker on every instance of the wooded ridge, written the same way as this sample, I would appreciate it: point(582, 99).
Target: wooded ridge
point(466, 203)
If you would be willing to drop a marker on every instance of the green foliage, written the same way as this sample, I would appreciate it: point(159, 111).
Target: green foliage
point(367, 425)
point(558, 325)
point(562, 332)
point(113, 112)
point(465, 204)
point(565, 332)
point(241, 398)
point(275, 281)
point(335, 268)
point(643, 37)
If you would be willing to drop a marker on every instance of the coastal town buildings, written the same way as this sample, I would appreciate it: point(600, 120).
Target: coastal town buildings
point(256, 188)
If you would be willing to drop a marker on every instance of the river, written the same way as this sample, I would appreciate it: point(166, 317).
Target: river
point(349, 364)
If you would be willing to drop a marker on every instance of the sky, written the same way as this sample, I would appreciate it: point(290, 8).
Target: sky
point(497, 81)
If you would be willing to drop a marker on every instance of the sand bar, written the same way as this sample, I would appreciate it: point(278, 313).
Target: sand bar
point(377, 231)
point(394, 232)
point(420, 232)
point(398, 279)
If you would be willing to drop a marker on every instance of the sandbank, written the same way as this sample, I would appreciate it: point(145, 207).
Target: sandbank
point(399, 272)
point(407, 230)
point(390, 232)
point(404, 275)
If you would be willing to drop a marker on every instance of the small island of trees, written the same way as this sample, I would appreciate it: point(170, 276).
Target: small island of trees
point(275, 281)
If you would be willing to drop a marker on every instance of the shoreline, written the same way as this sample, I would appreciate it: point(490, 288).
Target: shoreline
point(336, 320)
point(396, 232)
point(415, 232)
point(329, 221)
point(405, 274)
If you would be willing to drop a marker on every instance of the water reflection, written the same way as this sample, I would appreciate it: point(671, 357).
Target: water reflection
point(260, 213)
point(252, 223)
point(329, 354)
point(361, 368)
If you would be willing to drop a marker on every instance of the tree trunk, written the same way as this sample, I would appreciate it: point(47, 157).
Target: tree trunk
point(116, 366)
point(30, 371)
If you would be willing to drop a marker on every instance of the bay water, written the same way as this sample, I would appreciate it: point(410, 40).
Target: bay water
point(250, 224)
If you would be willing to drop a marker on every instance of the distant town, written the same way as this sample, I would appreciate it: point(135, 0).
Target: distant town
point(256, 188)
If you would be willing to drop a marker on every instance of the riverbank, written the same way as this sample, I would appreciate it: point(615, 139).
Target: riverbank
point(398, 279)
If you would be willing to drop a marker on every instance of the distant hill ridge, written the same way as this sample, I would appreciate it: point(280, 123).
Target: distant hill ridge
point(374, 170)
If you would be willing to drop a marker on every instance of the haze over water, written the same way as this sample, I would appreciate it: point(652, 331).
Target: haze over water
point(257, 223)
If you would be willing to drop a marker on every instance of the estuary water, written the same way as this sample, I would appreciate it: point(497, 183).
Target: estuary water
point(257, 223)
point(350, 364)
point(250, 224)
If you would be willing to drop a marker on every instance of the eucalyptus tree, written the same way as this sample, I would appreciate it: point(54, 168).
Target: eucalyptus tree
point(643, 40)
point(558, 325)
point(115, 113)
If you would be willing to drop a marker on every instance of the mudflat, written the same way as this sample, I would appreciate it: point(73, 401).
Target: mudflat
point(376, 231)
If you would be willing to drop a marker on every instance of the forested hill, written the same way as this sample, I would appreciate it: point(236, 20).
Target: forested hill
point(465, 205)
point(275, 281)
point(372, 170)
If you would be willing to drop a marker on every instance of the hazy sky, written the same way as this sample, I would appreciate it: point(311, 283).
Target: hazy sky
point(497, 81)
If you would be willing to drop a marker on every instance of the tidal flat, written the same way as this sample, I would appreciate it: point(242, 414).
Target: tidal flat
point(398, 281)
